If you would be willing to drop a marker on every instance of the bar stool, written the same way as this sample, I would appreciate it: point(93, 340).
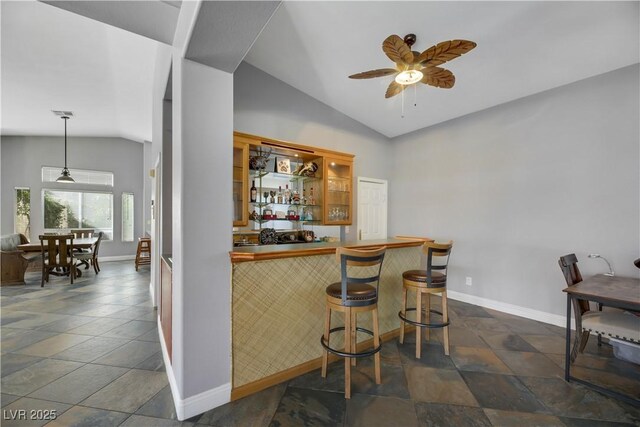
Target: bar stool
point(433, 280)
point(353, 295)
point(143, 254)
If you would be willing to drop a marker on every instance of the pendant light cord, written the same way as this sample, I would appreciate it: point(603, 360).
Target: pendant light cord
point(65, 140)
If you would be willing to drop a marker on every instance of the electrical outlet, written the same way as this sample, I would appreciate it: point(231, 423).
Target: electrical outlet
point(468, 281)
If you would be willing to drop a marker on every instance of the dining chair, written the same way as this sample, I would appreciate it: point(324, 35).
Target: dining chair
point(91, 256)
point(83, 233)
point(613, 323)
point(57, 253)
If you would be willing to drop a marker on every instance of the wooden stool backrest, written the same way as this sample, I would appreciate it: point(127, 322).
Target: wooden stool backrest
point(359, 258)
point(54, 245)
point(437, 250)
point(569, 266)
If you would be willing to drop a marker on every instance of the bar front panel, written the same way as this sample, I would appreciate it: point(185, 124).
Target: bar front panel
point(278, 309)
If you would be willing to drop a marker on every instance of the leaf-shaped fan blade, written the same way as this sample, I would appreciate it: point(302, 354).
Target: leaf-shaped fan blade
point(438, 77)
point(374, 73)
point(445, 51)
point(397, 50)
point(394, 89)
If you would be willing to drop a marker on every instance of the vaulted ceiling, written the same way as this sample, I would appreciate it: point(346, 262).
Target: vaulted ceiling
point(523, 48)
point(54, 59)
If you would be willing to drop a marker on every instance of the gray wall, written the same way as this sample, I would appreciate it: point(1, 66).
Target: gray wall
point(519, 185)
point(202, 161)
point(266, 106)
point(24, 156)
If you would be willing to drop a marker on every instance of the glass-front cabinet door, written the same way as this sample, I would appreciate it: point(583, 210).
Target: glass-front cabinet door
point(240, 184)
point(338, 190)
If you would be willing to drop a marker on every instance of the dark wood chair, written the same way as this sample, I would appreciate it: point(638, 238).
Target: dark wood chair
point(83, 233)
point(569, 266)
point(91, 257)
point(57, 254)
point(612, 323)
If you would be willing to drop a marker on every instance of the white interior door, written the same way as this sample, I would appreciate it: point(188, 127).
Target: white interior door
point(372, 208)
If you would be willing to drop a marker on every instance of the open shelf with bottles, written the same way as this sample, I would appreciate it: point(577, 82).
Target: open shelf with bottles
point(296, 184)
point(240, 184)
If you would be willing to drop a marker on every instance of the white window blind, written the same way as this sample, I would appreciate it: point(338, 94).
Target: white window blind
point(80, 176)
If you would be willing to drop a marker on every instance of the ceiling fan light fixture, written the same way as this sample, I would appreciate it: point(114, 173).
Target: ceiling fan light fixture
point(409, 77)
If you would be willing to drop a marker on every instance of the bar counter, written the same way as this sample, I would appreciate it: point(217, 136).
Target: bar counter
point(278, 306)
point(259, 253)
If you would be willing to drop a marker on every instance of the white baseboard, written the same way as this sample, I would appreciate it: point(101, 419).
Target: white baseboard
point(516, 310)
point(202, 402)
point(116, 258)
point(193, 405)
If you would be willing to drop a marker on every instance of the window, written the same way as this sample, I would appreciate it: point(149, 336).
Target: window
point(127, 217)
point(80, 176)
point(22, 216)
point(78, 209)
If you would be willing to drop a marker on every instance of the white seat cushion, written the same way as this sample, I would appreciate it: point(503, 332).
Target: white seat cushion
point(621, 325)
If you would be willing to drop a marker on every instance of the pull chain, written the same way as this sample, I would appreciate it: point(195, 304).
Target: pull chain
point(402, 104)
point(415, 95)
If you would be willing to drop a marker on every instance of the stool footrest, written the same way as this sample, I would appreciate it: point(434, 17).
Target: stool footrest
point(423, 325)
point(344, 353)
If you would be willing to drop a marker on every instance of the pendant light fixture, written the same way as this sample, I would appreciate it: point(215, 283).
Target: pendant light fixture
point(65, 176)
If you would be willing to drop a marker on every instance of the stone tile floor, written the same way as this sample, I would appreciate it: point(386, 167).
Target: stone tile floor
point(90, 352)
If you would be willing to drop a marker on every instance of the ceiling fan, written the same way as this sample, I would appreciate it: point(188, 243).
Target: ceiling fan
point(413, 67)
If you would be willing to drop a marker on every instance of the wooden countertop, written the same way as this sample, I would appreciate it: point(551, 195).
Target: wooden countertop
point(260, 253)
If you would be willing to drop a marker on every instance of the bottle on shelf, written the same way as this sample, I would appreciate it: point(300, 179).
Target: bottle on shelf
point(254, 191)
point(287, 194)
point(304, 196)
point(280, 194)
point(311, 200)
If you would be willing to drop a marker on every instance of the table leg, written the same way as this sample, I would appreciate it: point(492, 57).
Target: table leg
point(567, 351)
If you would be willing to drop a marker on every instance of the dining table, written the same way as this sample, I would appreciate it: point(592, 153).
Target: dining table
point(79, 243)
point(610, 291)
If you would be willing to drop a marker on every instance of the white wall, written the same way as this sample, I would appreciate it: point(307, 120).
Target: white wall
point(146, 207)
point(521, 184)
point(24, 156)
point(266, 106)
